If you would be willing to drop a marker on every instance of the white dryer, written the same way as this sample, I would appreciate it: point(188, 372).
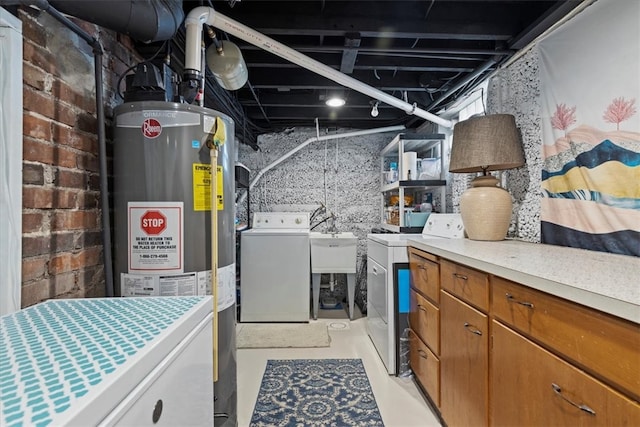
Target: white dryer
point(388, 283)
point(275, 268)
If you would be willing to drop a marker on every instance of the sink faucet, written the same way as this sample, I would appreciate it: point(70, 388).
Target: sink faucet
point(331, 224)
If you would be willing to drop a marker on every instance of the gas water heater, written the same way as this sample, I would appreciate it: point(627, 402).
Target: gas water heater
point(162, 216)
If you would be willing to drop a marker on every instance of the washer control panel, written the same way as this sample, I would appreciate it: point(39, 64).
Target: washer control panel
point(279, 220)
point(444, 225)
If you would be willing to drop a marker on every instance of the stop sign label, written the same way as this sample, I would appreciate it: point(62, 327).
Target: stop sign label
point(153, 222)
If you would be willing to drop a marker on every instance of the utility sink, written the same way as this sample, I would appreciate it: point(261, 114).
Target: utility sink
point(333, 252)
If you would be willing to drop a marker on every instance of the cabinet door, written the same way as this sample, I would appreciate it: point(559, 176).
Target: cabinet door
point(532, 387)
point(464, 362)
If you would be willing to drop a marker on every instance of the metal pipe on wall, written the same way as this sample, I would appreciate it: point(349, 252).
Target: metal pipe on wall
point(309, 141)
point(102, 145)
point(206, 15)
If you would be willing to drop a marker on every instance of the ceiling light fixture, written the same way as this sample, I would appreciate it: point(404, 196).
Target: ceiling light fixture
point(335, 101)
point(374, 109)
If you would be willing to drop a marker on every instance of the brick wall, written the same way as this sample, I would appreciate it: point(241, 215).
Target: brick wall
point(62, 244)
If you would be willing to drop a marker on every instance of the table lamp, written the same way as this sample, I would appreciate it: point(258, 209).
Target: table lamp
point(483, 144)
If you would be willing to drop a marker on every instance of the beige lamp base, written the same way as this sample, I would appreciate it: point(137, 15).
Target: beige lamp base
point(486, 209)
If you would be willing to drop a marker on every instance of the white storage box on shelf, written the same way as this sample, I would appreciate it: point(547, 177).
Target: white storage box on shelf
point(108, 361)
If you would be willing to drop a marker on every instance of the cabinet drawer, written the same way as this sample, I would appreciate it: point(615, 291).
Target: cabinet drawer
point(425, 274)
point(605, 346)
point(466, 283)
point(531, 386)
point(425, 366)
point(424, 319)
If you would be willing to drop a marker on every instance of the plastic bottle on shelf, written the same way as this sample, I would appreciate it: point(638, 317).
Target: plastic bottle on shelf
point(393, 172)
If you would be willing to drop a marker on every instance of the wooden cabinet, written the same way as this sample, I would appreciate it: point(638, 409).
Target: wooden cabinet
point(424, 321)
point(490, 351)
point(531, 386)
point(605, 346)
point(464, 362)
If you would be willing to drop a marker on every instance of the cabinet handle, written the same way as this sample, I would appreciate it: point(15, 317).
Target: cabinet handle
point(460, 276)
point(511, 298)
point(421, 267)
point(472, 329)
point(422, 354)
point(420, 307)
point(558, 390)
point(375, 270)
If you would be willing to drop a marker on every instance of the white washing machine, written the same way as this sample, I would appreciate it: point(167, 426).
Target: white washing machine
point(275, 268)
point(388, 283)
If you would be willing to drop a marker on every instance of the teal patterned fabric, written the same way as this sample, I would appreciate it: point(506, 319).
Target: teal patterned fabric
point(315, 392)
point(53, 354)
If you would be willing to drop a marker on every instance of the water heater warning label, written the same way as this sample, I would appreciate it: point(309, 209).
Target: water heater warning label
point(202, 187)
point(155, 231)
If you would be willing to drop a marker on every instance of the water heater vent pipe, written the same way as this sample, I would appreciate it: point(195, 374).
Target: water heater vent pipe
point(207, 15)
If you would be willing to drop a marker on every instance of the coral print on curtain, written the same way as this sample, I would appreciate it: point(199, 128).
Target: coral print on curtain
point(591, 130)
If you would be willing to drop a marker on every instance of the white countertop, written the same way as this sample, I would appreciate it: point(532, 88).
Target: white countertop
point(600, 280)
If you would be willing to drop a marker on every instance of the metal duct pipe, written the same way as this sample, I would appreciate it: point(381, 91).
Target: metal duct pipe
point(144, 20)
point(206, 15)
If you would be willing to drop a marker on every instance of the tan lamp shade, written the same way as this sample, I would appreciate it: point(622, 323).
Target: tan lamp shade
point(486, 143)
point(482, 144)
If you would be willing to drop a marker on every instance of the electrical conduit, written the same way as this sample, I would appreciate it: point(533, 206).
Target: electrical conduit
point(206, 15)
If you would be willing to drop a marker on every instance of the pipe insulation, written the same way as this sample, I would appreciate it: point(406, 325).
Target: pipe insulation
point(143, 20)
point(309, 141)
point(206, 15)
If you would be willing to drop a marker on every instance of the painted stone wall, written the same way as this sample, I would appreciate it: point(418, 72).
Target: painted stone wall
point(516, 90)
point(343, 174)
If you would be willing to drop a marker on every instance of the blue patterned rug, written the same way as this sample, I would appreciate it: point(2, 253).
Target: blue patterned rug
point(315, 392)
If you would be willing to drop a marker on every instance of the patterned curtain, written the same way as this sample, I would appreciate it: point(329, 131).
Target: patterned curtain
point(589, 72)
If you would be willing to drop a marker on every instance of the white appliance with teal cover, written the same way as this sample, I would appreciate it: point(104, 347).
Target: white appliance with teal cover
point(108, 361)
